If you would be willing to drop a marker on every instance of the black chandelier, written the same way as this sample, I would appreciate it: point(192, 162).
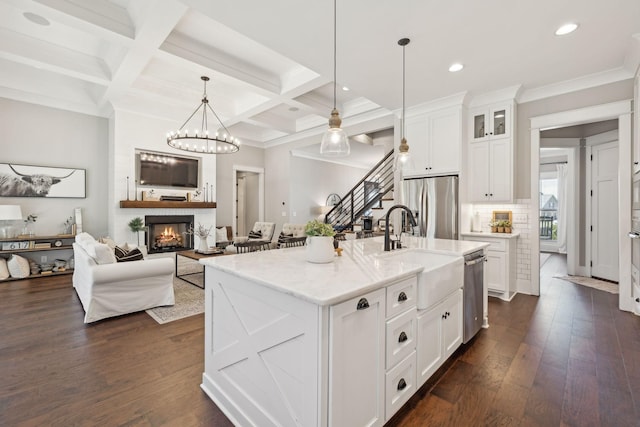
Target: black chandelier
point(200, 140)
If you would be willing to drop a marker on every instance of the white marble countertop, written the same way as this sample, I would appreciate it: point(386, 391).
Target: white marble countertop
point(363, 267)
point(511, 235)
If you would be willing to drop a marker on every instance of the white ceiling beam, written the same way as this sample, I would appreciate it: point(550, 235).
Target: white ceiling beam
point(40, 54)
point(214, 59)
point(99, 13)
point(158, 24)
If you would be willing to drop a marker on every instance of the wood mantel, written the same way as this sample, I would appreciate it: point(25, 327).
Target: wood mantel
point(164, 204)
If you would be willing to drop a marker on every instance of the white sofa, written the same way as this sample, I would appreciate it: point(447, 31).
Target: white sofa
point(107, 288)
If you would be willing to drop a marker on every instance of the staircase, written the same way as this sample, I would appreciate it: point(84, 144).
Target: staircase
point(367, 194)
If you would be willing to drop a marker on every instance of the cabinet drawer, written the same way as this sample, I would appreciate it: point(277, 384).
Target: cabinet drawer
point(499, 245)
point(401, 296)
point(400, 384)
point(400, 337)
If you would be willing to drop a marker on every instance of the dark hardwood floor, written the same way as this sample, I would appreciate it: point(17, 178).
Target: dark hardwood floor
point(568, 358)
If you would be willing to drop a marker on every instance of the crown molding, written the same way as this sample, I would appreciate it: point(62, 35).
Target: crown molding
point(574, 85)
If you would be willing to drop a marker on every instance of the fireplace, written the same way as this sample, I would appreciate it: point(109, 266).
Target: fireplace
point(168, 233)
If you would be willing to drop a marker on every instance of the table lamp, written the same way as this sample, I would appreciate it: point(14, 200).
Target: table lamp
point(9, 214)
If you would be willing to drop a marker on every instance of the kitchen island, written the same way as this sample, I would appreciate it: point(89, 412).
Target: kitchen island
point(288, 342)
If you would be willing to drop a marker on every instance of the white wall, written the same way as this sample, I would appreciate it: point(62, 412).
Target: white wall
point(247, 156)
point(584, 98)
point(312, 182)
point(43, 136)
point(132, 131)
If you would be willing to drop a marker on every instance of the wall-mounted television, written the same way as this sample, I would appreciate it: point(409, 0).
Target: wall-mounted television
point(155, 169)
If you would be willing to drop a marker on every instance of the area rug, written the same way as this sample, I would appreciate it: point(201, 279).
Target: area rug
point(591, 282)
point(189, 302)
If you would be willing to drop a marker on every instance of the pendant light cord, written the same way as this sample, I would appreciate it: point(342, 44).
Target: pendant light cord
point(403, 86)
point(335, 47)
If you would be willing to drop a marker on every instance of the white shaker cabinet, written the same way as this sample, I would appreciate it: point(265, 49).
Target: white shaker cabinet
point(500, 268)
point(491, 152)
point(490, 171)
point(434, 142)
point(357, 361)
point(490, 122)
point(439, 335)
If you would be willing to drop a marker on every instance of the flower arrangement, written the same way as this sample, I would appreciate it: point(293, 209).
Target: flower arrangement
point(317, 228)
point(31, 218)
point(201, 231)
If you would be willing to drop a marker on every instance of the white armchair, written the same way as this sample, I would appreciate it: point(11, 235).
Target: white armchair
point(107, 288)
point(266, 230)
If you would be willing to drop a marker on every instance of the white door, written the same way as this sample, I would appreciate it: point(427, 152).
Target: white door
point(604, 211)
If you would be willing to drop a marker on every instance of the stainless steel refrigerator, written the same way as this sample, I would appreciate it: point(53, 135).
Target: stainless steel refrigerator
point(434, 203)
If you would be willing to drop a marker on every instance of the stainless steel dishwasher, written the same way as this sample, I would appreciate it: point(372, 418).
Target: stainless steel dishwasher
point(473, 293)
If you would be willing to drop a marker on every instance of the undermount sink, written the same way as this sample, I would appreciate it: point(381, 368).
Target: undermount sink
point(441, 274)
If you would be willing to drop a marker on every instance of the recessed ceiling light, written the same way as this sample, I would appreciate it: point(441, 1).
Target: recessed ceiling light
point(344, 88)
point(293, 108)
point(36, 19)
point(566, 29)
point(456, 67)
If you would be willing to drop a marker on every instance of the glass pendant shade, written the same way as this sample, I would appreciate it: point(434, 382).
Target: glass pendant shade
point(335, 141)
point(403, 161)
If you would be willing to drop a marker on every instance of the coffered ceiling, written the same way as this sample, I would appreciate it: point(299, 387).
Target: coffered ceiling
point(270, 62)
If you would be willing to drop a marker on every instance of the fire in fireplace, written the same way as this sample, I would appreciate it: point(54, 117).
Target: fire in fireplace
point(168, 233)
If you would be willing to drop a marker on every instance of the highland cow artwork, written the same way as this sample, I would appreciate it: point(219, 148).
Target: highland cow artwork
point(41, 181)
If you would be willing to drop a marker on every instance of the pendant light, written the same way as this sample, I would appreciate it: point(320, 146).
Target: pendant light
point(201, 141)
point(403, 160)
point(335, 141)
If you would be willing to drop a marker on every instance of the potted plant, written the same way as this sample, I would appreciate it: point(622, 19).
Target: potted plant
point(319, 241)
point(203, 233)
point(494, 226)
point(136, 225)
point(507, 226)
point(501, 226)
point(27, 231)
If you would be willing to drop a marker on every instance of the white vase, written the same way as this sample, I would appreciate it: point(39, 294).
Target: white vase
point(320, 249)
point(203, 245)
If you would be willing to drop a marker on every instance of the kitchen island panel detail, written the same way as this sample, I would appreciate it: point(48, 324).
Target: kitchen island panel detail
point(262, 353)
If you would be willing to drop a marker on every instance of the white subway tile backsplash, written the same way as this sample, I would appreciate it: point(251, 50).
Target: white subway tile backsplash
point(522, 224)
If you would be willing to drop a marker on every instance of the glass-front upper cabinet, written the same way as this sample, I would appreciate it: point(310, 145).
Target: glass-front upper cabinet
point(490, 122)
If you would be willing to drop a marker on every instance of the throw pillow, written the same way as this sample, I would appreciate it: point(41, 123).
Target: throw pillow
point(283, 238)
point(108, 241)
point(4, 270)
point(221, 234)
point(255, 234)
point(18, 266)
point(124, 256)
point(104, 254)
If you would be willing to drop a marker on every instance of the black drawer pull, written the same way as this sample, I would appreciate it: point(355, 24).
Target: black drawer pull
point(402, 337)
point(402, 384)
point(402, 297)
point(637, 299)
point(363, 304)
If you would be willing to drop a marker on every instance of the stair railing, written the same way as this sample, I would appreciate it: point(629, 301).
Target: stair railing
point(367, 193)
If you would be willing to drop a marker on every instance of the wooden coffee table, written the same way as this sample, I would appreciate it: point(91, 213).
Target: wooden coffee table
point(195, 256)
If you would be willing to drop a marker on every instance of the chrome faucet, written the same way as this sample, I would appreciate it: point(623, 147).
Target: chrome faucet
point(387, 243)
